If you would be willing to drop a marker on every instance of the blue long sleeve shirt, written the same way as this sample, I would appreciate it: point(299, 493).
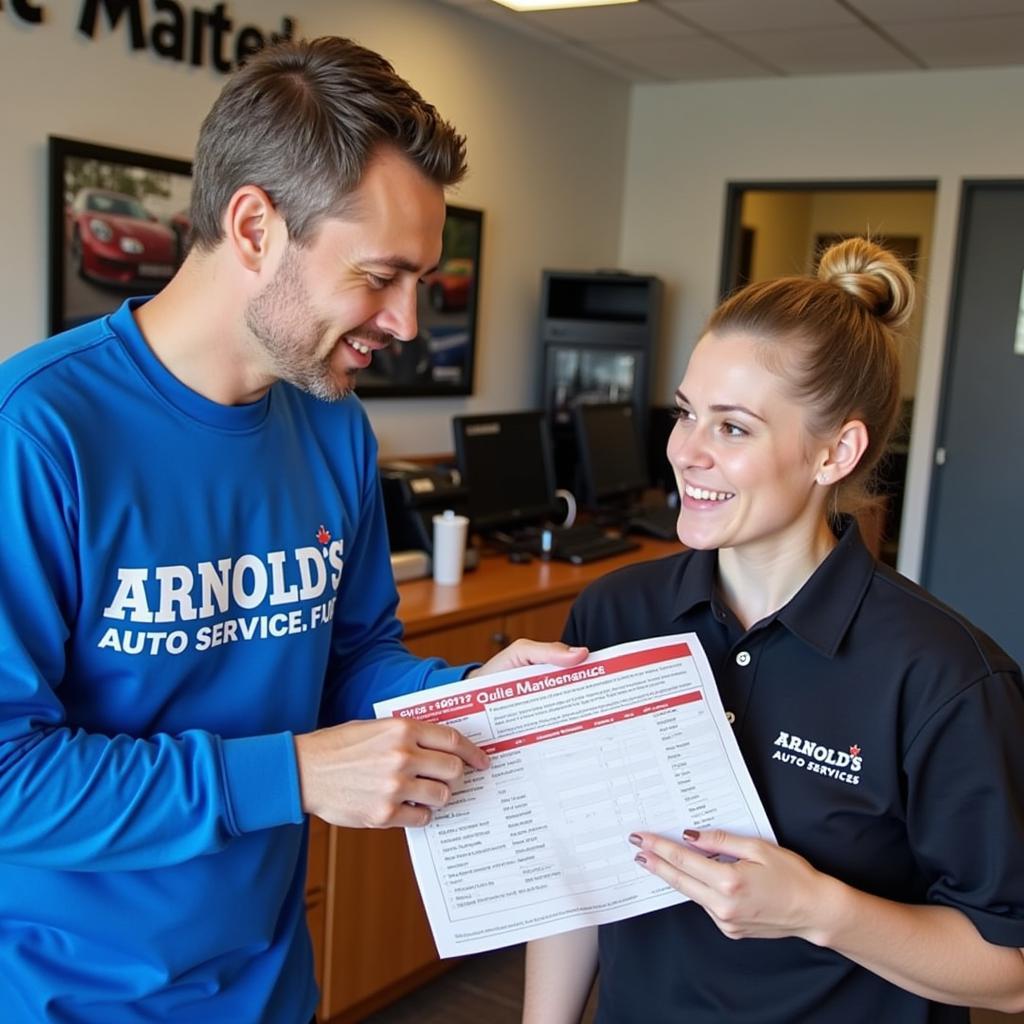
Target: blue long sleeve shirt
point(183, 587)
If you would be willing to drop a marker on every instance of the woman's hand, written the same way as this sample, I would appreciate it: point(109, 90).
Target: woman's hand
point(762, 891)
point(770, 893)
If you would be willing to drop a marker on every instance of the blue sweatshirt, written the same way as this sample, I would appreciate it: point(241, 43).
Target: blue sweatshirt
point(183, 586)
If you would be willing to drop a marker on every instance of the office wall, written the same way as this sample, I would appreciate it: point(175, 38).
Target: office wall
point(687, 141)
point(781, 223)
point(547, 142)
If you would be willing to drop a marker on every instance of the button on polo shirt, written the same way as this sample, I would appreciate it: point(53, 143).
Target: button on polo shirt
point(880, 730)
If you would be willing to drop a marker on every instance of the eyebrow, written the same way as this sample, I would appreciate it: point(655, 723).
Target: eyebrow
point(724, 408)
point(399, 263)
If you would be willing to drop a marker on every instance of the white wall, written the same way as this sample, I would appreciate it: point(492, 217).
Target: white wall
point(687, 141)
point(547, 142)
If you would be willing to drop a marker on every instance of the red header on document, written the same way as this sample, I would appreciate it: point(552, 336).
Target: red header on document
point(443, 708)
point(591, 723)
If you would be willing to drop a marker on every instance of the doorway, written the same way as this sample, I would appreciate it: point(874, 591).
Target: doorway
point(776, 229)
point(974, 546)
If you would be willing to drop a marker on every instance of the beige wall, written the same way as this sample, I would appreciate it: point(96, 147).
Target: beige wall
point(781, 222)
point(688, 141)
point(547, 142)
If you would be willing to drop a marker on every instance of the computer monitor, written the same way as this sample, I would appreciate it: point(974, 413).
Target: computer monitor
point(611, 452)
point(506, 463)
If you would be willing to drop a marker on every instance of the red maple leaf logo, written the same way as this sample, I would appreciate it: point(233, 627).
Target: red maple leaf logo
point(323, 535)
point(855, 750)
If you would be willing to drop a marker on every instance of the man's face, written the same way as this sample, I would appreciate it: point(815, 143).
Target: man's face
point(348, 293)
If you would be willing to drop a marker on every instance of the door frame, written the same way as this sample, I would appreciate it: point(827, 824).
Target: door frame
point(968, 186)
point(734, 191)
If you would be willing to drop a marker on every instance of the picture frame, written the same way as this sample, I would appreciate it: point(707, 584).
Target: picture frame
point(439, 360)
point(119, 226)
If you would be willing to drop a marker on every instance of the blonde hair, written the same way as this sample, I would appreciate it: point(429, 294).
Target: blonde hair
point(834, 339)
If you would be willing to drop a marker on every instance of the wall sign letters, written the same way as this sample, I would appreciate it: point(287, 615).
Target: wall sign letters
point(171, 30)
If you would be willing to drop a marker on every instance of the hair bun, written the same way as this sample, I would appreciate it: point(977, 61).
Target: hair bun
point(874, 276)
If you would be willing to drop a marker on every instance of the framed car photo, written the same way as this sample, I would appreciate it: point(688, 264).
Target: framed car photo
point(439, 360)
point(119, 226)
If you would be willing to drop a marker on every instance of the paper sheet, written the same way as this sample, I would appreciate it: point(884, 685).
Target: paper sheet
point(635, 738)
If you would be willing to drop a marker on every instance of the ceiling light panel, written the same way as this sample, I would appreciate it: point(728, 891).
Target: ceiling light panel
point(558, 5)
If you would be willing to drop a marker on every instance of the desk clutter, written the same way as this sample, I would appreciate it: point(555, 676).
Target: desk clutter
point(503, 479)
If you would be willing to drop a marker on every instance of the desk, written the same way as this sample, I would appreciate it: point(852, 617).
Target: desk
point(370, 933)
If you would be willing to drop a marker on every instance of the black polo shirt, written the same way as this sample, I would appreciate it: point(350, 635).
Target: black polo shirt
point(885, 736)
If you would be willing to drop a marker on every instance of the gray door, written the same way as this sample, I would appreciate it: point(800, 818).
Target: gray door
point(974, 555)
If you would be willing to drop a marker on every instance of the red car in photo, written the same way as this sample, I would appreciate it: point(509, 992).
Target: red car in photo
point(448, 286)
point(115, 240)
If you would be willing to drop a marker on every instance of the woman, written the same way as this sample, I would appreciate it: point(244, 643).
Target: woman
point(883, 732)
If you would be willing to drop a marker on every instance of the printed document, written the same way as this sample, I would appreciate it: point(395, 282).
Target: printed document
point(633, 739)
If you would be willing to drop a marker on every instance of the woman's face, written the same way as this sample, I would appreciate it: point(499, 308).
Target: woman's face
point(744, 462)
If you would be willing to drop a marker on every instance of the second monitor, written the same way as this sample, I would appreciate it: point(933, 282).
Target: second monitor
point(614, 472)
point(612, 458)
point(505, 460)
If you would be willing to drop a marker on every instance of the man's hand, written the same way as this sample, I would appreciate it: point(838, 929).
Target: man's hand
point(521, 653)
point(382, 774)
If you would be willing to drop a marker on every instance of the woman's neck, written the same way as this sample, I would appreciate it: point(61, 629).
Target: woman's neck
point(758, 579)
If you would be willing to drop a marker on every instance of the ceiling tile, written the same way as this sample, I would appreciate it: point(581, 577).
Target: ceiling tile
point(964, 43)
point(892, 12)
point(713, 39)
point(616, 66)
point(681, 58)
point(753, 15)
point(627, 20)
point(823, 51)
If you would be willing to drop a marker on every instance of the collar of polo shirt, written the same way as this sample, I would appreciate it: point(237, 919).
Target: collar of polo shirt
point(820, 612)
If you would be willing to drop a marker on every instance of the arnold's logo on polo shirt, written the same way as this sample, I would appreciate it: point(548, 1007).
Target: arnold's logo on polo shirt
point(816, 757)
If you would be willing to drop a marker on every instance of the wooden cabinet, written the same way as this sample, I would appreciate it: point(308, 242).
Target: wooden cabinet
point(481, 640)
point(376, 941)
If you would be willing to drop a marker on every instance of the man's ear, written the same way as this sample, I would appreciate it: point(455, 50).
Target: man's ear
point(843, 455)
point(253, 228)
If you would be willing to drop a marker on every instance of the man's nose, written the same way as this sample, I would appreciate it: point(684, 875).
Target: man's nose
point(399, 316)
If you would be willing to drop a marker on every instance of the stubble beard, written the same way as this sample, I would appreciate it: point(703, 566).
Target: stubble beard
point(290, 336)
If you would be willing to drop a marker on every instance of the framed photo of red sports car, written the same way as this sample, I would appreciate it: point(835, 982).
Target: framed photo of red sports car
point(439, 360)
point(119, 226)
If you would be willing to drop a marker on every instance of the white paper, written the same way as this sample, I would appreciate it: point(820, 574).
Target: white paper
point(634, 739)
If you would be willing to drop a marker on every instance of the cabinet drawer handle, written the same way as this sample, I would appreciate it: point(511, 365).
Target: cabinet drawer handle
point(500, 639)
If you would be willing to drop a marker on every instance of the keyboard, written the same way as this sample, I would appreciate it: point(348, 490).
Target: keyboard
point(583, 543)
point(655, 520)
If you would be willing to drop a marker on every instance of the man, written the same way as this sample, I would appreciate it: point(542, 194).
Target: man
point(194, 570)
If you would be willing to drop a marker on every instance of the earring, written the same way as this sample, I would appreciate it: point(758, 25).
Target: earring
point(822, 479)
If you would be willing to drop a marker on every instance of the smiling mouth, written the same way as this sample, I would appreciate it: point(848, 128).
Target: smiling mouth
point(367, 345)
point(703, 494)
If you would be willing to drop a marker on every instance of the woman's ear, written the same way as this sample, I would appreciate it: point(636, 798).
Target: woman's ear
point(844, 454)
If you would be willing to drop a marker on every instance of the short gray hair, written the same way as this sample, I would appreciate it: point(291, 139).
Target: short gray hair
point(301, 121)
